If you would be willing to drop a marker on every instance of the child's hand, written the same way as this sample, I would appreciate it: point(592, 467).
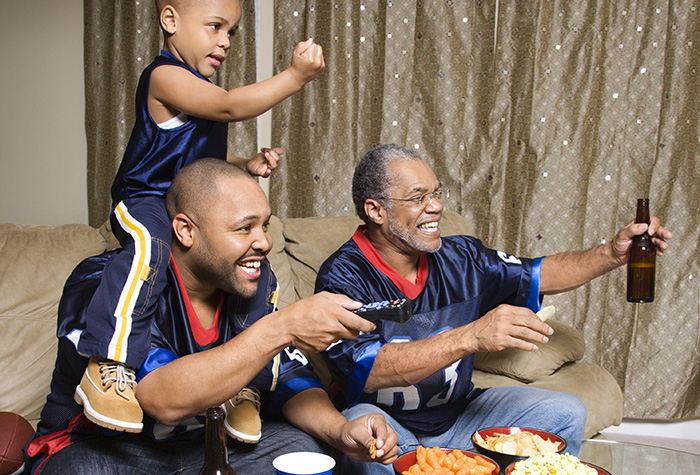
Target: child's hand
point(307, 60)
point(264, 162)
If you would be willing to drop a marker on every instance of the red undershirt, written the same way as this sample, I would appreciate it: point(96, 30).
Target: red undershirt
point(202, 336)
point(408, 288)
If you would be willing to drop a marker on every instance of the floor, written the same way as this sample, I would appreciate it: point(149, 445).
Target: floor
point(683, 435)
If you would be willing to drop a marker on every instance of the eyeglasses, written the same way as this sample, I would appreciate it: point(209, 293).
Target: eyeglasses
point(425, 199)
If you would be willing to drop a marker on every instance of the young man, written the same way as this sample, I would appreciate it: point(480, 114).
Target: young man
point(213, 332)
point(465, 298)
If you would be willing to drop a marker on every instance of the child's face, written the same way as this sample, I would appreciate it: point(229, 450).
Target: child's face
point(203, 34)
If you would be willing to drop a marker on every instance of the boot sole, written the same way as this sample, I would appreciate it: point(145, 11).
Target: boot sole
point(240, 436)
point(102, 420)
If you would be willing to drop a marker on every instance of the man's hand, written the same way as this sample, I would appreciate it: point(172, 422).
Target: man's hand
point(622, 242)
point(507, 326)
point(264, 162)
point(358, 434)
point(307, 61)
point(316, 322)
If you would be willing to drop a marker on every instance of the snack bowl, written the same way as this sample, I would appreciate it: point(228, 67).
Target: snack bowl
point(405, 461)
point(599, 471)
point(504, 459)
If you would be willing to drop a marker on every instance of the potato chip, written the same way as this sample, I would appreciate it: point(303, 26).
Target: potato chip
point(546, 312)
point(373, 449)
point(518, 443)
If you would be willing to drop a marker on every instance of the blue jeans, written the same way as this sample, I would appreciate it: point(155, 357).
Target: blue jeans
point(560, 413)
point(136, 455)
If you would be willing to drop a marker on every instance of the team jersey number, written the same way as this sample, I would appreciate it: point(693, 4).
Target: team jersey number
point(409, 398)
point(296, 354)
point(507, 258)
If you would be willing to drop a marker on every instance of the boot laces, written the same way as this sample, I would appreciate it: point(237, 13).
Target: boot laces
point(247, 394)
point(119, 375)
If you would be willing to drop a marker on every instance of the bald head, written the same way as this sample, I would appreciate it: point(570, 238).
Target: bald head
point(195, 188)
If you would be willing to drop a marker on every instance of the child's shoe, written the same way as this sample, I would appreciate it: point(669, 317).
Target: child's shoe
point(107, 392)
point(243, 416)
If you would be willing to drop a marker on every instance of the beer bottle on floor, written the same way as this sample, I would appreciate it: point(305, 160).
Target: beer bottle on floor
point(641, 266)
point(216, 455)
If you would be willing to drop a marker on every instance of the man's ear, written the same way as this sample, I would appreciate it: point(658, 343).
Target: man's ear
point(375, 211)
point(184, 229)
point(169, 19)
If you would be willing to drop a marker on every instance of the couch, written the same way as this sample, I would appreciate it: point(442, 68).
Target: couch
point(36, 260)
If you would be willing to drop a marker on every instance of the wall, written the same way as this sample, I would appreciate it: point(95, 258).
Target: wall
point(42, 132)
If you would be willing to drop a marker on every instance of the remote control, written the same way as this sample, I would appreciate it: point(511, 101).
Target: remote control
point(398, 310)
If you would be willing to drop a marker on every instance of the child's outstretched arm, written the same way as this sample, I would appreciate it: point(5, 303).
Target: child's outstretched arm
point(261, 164)
point(174, 89)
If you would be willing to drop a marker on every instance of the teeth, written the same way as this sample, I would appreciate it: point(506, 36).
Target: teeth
point(250, 266)
point(429, 226)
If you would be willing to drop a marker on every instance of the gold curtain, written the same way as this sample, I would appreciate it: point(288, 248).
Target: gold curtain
point(121, 39)
point(546, 120)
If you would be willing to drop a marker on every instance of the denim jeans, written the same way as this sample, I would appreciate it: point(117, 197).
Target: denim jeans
point(129, 454)
point(557, 412)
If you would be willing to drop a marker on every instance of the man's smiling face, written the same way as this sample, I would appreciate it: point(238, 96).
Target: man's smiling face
point(234, 238)
point(413, 221)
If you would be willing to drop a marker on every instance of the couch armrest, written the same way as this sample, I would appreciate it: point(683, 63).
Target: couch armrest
point(35, 262)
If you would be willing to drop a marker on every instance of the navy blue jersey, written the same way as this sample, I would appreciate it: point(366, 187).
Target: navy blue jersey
point(154, 155)
point(175, 332)
point(455, 286)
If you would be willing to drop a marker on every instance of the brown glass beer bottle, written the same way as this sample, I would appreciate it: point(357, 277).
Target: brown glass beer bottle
point(216, 455)
point(641, 267)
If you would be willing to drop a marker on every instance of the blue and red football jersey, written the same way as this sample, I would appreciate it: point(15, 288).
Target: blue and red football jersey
point(455, 286)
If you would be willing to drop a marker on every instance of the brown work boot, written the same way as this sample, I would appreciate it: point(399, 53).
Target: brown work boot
point(107, 394)
point(243, 416)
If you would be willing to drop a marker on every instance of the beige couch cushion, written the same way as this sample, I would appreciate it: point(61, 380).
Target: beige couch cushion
point(309, 242)
point(565, 345)
point(280, 264)
point(36, 261)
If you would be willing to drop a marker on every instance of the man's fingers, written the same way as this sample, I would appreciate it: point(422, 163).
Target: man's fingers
point(305, 45)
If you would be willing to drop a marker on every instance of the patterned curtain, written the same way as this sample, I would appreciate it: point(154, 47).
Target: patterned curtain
point(121, 39)
point(546, 120)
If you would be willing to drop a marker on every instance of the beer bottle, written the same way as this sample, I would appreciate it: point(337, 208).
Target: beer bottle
point(641, 266)
point(216, 455)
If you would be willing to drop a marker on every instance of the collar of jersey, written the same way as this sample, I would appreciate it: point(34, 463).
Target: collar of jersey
point(408, 288)
point(203, 336)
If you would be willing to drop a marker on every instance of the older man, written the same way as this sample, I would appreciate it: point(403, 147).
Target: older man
point(465, 299)
point(213, 332)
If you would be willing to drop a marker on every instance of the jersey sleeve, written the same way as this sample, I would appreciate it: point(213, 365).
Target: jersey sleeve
point(500, 277)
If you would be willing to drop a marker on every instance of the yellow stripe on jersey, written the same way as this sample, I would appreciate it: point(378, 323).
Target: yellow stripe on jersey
point(275, 371)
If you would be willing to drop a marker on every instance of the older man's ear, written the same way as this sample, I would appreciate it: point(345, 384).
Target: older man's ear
point(375, 211)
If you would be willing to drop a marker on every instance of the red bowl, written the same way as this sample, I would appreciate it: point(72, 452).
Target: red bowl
point(506, 459)
point(409, 458)
point(600, 471)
